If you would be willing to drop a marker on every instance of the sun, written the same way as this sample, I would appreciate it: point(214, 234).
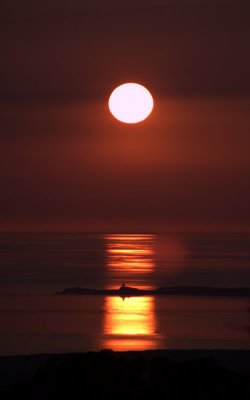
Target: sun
point(131, 103)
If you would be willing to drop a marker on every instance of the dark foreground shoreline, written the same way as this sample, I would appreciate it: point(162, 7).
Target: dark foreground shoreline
point(202, 374)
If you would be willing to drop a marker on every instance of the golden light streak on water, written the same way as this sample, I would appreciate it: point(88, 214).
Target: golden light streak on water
point(129, 258)
point(129, 323)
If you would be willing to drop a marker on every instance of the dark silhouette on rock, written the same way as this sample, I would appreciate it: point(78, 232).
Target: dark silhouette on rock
point(128, 291)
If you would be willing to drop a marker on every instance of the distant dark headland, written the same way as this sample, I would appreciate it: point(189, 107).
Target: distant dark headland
point(127, 291)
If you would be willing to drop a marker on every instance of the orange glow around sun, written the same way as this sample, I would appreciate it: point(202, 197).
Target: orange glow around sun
point(131, 103)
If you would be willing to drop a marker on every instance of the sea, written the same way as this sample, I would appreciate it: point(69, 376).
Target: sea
point(35, 319)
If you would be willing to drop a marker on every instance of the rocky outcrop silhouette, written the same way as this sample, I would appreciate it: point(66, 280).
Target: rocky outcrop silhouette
point(128, 291)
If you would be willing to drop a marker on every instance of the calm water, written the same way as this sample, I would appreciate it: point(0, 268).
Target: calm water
point(34, 266)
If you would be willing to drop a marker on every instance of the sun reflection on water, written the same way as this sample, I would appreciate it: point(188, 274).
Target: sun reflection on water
point(130, 259)
point(129, 323)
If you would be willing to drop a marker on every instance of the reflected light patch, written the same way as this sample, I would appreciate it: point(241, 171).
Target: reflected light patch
point(131, 316)
point(130, 323)
point(130, 258)
point(127, 344)
point(130, 251)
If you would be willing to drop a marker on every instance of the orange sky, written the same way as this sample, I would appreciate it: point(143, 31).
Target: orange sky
point(65, 159)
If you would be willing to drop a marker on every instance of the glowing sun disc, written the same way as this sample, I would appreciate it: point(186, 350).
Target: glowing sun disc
point(131, 103)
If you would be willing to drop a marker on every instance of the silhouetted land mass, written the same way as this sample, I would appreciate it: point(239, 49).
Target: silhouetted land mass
point(126, 291)
point(133, 375)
